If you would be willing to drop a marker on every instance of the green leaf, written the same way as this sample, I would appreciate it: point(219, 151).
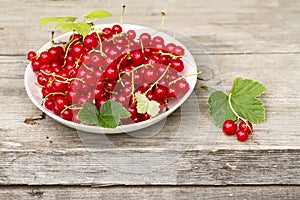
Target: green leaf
point(110, 114)
point(219, 108)
point(65, 27)
point(88, 114)
point(251, 109)
point(144, 105)
point(97, 14)
point(247, 87)
point(82, 28)
point(244, 93)
point(48, 20)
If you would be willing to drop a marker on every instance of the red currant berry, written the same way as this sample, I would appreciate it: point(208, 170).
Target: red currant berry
point(177, 64)
point(90, 42)
point(131, 34)
point(160, 91)
point(67, 114)
point(49, 104)
point(229, 127)
point(108, 31)
point(242, 136)
point(247, 128)
point(158, 39)
point(31, 55)
point(117, 29)
point(36, 65)
point(165, 59)
point(61, 102)
point(178, 50)
point(111, 72)
point(183, 86)
point(150, 75)
point(145, 116)
point(74, 36)
point(171, 92)
point(137, 57)
point(45, 57)
point(77, 50)
point(170, 47)
point(145, 38)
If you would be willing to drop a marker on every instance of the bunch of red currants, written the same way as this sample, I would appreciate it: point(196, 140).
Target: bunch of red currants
point(242, 134)
point(109, 64)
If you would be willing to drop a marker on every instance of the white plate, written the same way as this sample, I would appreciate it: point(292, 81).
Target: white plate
point(35, 95)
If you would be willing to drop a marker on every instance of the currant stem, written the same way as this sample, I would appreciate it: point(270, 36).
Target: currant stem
point(69, 45)
point(116, 36)
point(184, 76)
point(68, 107)
point(98, 36)
point(65, 80)
point(167, 54)
point(54, 93)
point(132, 87)
point(163, 14)
point(123, 12)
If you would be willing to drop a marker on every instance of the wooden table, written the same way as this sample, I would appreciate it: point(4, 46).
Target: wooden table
point(253, 39)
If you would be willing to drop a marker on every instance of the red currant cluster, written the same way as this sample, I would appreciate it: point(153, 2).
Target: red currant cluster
point(242, 134)
point(109, 64)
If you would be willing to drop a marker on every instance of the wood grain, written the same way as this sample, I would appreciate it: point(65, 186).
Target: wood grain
point(149, 166)
point(163, 193)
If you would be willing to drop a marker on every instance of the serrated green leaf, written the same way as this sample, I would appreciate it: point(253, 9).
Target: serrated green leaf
point(244, 93)
point(83, 28)
point(88, 114)
point(48, 20)
point(247, 87)
point(144, 105)
point(110, 114)
point(97, 14)
point(219, 108)
point(65, 27)
point(251, 109)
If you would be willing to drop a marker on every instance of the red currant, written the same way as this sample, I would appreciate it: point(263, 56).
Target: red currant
point(229, 127)
point(117, 29)
point(31, 55)
point(90, 42)
point(61, 102)
point(137, 57)
point(177, 64)
point(245, 127)
point(131, 34)
point(45, 57)
point(242, 135)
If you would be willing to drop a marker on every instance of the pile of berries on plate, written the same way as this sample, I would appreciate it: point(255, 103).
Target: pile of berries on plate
point(109, 64)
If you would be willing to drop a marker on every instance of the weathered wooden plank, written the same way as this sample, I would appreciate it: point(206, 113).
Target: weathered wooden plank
point(144, 166)
point(222, 27)
point(165, 192)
